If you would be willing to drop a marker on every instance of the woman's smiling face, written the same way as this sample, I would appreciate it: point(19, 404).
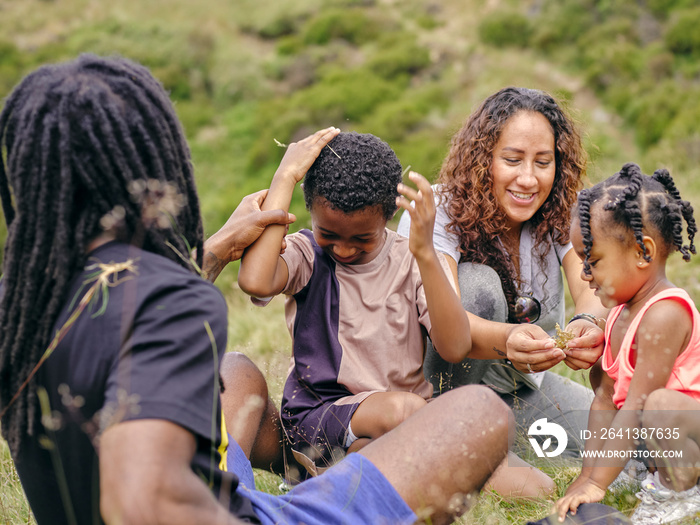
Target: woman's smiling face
point(523, 166)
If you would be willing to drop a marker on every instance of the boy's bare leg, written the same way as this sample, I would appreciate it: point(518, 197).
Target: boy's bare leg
point(380, 413)
point(251, 416)
point(669, 411)
point(516, 478)
point(439, 458)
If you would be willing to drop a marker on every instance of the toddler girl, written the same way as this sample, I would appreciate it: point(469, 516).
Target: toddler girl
point(625, 229)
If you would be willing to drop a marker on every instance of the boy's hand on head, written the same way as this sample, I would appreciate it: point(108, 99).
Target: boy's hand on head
point(301, 155)
point(421, 207)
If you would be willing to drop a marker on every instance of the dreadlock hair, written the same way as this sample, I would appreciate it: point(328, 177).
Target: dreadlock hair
point(356, 171)
point(637, 203)
point(84, 140)
point(466, 183)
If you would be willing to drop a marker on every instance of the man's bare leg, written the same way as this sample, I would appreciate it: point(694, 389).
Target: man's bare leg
point(439, 458)
point(251, 416)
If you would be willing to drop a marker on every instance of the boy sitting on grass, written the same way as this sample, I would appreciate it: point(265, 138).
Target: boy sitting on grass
point(357, 299)
point(360, 300)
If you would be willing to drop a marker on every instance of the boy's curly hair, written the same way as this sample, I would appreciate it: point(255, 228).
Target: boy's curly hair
point(357, 171)
point(475, 215)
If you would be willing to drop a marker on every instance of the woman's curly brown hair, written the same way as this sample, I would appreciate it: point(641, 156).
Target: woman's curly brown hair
point(467, 185)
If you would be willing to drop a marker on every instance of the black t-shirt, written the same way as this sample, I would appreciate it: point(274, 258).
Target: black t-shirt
point(148, 346)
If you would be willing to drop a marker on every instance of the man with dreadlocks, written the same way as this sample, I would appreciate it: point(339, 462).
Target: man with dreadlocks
point(110, 342)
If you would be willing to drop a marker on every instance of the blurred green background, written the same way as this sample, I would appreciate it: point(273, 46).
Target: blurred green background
point(244, 73)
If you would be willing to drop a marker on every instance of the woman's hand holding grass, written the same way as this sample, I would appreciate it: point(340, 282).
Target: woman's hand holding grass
point(528, 344)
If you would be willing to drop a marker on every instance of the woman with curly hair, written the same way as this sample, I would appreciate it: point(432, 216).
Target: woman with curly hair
point(505, 194)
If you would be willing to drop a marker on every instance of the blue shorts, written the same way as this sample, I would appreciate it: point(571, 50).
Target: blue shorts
point(352, 492)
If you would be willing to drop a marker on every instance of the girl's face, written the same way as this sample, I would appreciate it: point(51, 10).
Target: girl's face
point(349, 238)
point(523, 166)
point(613, 261)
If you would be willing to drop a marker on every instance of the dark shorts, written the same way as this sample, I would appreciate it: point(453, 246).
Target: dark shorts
point(319, 432)
point(353, 492)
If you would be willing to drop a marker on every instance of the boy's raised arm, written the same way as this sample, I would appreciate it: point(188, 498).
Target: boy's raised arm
point(262, 272)
point(450, 330)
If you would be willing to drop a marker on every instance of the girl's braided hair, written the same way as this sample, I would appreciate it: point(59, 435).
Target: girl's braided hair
point(82, 140)
point(637, 202)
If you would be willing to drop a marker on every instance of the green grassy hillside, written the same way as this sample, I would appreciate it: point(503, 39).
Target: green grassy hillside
point(243, 73)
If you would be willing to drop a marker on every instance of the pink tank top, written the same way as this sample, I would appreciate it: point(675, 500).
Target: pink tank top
point(685, 375)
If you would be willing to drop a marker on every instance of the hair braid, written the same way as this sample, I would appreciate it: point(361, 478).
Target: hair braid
point(684, 211)
point(584, 216)
point(77, 137)
point(626, 203)
point(687, 211)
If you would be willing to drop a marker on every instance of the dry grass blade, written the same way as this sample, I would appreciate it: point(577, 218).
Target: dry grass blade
point(562, 337)
point(281, 145)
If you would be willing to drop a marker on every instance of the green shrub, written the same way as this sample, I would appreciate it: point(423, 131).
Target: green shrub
point(11, 67)
point(660, 65)
point(349, 94)
point(563, 22)
point(653, 109)
point(238, 80)
point(424, 151)
point(276, 119)
point(289, 45)
point(351, 3)
point(397, 55)
point(663, 8)
point(182, 62)
point(295, 72)
point(683, 36)
point(614, 30)
point(619, 96)
point(194, 115)
point(282, 25)
point(616, 8)
point(427, 22)
point(617, 62)
point(352, 25)
point(503, 29)
point(396, 119)
point(686, 123)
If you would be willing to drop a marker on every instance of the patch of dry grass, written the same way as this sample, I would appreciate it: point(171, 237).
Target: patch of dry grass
point(14, 508)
